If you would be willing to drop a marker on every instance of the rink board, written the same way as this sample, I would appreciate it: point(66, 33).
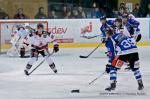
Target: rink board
point(69, 32)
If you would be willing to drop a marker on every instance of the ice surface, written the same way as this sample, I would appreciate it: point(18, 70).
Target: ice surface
point(73, 73)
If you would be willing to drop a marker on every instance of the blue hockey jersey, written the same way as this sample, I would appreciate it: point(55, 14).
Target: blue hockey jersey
point(132, 26)
point(119, 44)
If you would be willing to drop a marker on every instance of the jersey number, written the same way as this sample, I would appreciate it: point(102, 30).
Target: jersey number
point(127, 43)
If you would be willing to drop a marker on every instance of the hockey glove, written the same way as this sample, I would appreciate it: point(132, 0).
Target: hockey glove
point(56, 48)
point(107, 69)
point(138, 38)
point(103, 40)
point(36, 47)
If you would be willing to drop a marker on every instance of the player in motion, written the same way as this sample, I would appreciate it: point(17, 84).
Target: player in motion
point(39, 43)
point(106, 24)
point(126, 51)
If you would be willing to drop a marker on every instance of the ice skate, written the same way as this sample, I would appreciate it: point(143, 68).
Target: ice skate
point(111, 87)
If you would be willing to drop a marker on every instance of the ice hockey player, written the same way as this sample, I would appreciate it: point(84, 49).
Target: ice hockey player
point(23, 33)
point(39, 43)
point(106, 24)
point(127, 51)
point(17, 41)
point(132, 26)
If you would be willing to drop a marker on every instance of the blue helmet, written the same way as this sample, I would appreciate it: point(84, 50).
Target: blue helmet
point(103, 18)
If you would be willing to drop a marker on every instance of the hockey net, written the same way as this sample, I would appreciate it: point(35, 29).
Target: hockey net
point(7, 27)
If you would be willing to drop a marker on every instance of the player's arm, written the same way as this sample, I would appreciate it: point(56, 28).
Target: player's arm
point(51, 39)
point(136, 28)
point(103, 34)
point(134, 23)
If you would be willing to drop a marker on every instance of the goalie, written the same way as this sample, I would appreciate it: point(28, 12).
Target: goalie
point(18, 37)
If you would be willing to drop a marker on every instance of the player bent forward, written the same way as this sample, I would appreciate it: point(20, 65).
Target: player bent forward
point(39, 43)
point(127, 52)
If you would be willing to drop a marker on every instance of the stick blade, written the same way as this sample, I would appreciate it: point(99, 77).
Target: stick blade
point(75, 91)
point(83, 56)
point(26, 73)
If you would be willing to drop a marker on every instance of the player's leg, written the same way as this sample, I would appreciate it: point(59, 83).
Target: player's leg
point(116, 64)
point(22, 52)
point(134, 64)
point(137, 39)
point(34, 57)
point(22, 48)
point(49, 60)
point(113, 79)
point(14, 50)
point(11, 51)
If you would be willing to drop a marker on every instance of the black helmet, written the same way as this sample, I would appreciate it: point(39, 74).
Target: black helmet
point(40, 25)
point(118, 20)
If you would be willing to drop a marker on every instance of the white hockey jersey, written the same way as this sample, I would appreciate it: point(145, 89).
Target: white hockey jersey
point(40, 41)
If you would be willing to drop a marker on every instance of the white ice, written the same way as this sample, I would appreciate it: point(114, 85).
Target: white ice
point(73, 73)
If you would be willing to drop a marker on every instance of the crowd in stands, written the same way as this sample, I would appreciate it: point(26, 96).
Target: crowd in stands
point(80, 12)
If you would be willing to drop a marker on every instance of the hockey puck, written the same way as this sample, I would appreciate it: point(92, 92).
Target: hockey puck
point(75, 91)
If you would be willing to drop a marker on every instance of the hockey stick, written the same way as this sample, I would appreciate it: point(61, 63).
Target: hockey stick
point(91, 52)
point(97, 78)
point(90, 37)
point(41, 63)
point(78, 90)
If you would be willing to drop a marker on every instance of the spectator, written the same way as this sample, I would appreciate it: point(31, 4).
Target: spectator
point(115, 13)
point(104, 11)
point(122, 5)
point(96, 13)
point(41, 14)
point(81, 12)
point(75, 14)
point(52, 15)
point(68, 16)
point(3, 15)
point(137, 11)
point(148, 11)
point(20, 14)
point(64, 13)
point(121, 11)
point(126, 10)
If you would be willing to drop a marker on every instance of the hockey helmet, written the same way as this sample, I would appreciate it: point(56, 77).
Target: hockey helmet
point(118, 20)
point(40, 25)
point(103, 18)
